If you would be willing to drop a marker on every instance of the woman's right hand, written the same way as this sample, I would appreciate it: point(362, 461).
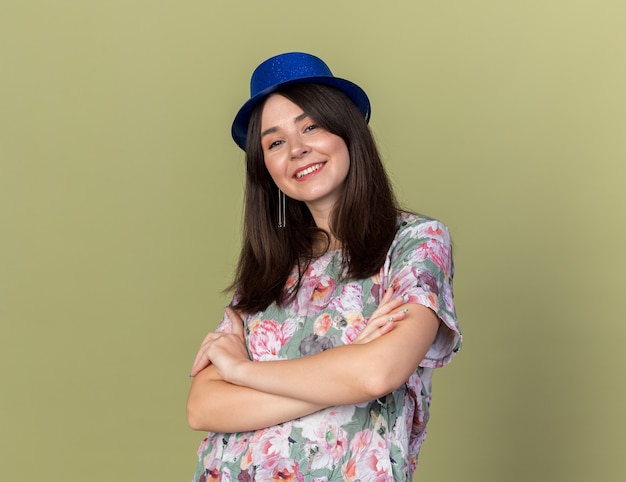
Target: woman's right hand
point(234, 332)
point(384, 317)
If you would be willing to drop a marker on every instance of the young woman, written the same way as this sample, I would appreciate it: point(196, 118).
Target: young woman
point(321, 367)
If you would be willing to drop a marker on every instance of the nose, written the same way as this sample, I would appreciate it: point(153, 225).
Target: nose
point(299, 147)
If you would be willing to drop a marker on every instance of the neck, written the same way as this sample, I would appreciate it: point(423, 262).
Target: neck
point(323, 245)
point(321, 212)
point(321, 216)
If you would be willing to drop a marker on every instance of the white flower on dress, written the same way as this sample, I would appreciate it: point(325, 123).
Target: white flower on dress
point(269, 443)
point(370, 458)
point(314, 295)
point(325, 440)
point(349, 301)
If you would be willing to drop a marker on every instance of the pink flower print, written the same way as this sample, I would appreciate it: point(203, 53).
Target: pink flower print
point(318, 267)
point(425, 298)
point(338, 416)
point(267, 337)
point(355, 324)
point(433, 302)
point(448, 297)
point(237, 444)
point(211, 471)
point(433, 230)
point(324, 436)
point(370, 459)
point(226, 476)
point(314, 295)
point(279, 469)
point(203, 445)
point(329, 443)
point(291, 281)
point(270, 443)
point(439, 253)
point(377, 291)
point(322, 324)
point(350, 300)
point(246, 460)
point(323, 291)
point(225, 325)
point(213, 455)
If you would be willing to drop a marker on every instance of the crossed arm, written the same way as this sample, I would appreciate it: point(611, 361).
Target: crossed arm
point(230, 393)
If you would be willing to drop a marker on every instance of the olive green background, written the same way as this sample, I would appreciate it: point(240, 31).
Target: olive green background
point(120, 205)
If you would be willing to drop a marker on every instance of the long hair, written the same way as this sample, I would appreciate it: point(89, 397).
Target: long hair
point(363, 219)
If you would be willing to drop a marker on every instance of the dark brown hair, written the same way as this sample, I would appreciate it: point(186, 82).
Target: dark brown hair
point(363, 220)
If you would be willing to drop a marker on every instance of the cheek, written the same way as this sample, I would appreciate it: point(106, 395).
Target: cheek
point(345, 164)
point(341, 149)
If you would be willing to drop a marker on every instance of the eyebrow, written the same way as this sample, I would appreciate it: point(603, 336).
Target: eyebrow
point(271, 130)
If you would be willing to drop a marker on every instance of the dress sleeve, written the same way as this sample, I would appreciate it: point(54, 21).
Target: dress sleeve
point(226, 325)
point(421, 266)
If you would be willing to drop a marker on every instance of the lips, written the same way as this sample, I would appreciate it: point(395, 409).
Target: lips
point(308, 170)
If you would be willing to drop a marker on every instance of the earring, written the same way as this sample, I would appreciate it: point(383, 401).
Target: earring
point(281, 209)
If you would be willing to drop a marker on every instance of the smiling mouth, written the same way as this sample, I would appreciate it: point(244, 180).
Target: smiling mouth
point(309, 170)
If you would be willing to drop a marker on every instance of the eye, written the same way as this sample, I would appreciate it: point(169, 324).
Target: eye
point(311, 127)
point(274, 144)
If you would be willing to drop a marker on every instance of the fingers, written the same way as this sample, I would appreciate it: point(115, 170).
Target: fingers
point(373, 331)
point(382, 318)
point(388, 303)
point(382, 308)
point(376, 327)
point(236, 322)
point(387, 296)
point(202, 360)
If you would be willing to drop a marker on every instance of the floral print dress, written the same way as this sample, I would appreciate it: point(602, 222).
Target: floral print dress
point(373, 441)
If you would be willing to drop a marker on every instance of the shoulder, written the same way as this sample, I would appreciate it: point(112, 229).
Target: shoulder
point(421, 241)
point(420, 228)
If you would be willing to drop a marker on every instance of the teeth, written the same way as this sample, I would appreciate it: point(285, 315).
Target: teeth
point(308, 170)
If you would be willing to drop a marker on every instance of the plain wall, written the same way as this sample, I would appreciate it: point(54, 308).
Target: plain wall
point(120, 206)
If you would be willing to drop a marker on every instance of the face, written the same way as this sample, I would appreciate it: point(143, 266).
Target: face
point(305, 161)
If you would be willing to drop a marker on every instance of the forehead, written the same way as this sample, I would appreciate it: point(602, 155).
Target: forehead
point(279, 109)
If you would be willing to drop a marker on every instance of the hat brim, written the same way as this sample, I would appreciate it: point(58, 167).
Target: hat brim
point(239, 129)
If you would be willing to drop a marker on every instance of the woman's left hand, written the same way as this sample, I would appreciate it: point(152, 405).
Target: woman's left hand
point(384, 318)
point(223, 350)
